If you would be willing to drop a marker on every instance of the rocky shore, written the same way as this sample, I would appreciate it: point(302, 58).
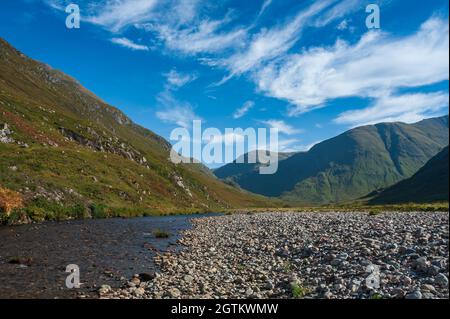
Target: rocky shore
point(303, 255)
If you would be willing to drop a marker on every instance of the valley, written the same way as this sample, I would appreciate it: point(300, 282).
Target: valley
point(363, 215)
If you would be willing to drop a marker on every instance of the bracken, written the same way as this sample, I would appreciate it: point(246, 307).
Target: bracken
point(9, 200)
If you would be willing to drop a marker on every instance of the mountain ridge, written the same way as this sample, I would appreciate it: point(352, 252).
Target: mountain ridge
point(349, 165)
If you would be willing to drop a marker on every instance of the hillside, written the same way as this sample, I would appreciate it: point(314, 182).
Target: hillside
point(61, 145)
point(429, 184)
point(348, 166)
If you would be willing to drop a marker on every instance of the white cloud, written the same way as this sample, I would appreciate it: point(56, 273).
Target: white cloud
point(271, 43)
point(407, 108)
point(203, 37)
point(338, 11)
point(264, 7)
point(174, 111)
point(118, 14)
point(127, 43)
point(240, 112)
point(377, 64)
point(176, 79)
point(282, 127)
point(343, 25)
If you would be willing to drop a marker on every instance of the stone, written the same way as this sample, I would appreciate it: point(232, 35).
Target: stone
point(174, 293)
point(104, 289)
point(139, 292)
point(414, 295)
point(188, 279)
point(441, 280)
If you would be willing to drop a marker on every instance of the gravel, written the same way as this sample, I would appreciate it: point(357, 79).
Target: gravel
point(304, 255)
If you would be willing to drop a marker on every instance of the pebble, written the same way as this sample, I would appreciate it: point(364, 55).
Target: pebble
point(330, 255)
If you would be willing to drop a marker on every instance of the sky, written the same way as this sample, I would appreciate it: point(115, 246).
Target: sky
point(311, 69)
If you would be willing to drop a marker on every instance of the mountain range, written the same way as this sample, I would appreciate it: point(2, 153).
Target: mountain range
point(348, 166)
point(62, 145)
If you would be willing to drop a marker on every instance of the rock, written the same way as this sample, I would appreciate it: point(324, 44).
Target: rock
point(104, 289)
point(146, 276)
point(174, 293)
point(422, 264)
point(406, 280)
point(269, 285)
point(441, 280)
point(139, 292)
point(328, 295)
point(428, 288)
point(136, 281)
point(414, 295)
point(188, 279)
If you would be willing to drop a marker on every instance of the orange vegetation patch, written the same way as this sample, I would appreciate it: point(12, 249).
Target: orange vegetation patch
point(9, 200)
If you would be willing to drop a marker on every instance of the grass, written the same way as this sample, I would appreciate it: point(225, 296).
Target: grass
point(351, 207)
point(159, 233)
point(298, 292)
point(376, 296)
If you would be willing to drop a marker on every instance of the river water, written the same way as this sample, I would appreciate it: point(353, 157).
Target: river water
point(33, 258)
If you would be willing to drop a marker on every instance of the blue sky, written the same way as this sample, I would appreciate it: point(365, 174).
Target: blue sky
point(310, 68)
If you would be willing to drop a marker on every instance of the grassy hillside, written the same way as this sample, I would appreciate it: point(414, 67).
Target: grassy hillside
point(348, 166)
point(61, 146)
point(429, 184)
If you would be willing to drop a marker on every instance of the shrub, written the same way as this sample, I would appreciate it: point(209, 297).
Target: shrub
point(158, 233)
point(9, 200)
point(37, 214)
point(98, 211)
point(79, 211)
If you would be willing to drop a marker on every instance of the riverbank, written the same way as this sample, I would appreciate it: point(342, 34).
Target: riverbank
point(304, 255)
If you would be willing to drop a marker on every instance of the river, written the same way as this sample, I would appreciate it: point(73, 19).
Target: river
point(33, 258)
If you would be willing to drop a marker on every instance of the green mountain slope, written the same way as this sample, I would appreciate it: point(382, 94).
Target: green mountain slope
point(59, 143)
point(348, 166)
point(429, 184)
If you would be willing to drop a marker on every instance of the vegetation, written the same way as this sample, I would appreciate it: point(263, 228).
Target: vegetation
point(356, 206)
point(298, 292)
point(159, 233)
point(429, 184)
point(9, 200)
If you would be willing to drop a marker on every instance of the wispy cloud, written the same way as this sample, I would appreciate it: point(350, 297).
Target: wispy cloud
point(118, 14)
point(204, 37)
point(127, 43)
point(271, 43)
point(174, 111)
point(176, 79)
point(282, 127)
point(264, 7)
point(407, 108)
point(377, 64)
point(240, 112)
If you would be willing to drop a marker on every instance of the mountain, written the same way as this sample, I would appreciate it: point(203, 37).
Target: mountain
point(429, 184)
point(348, 166)
point(61, 145)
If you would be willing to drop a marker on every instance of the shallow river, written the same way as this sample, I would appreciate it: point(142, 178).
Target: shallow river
point(33, 258)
